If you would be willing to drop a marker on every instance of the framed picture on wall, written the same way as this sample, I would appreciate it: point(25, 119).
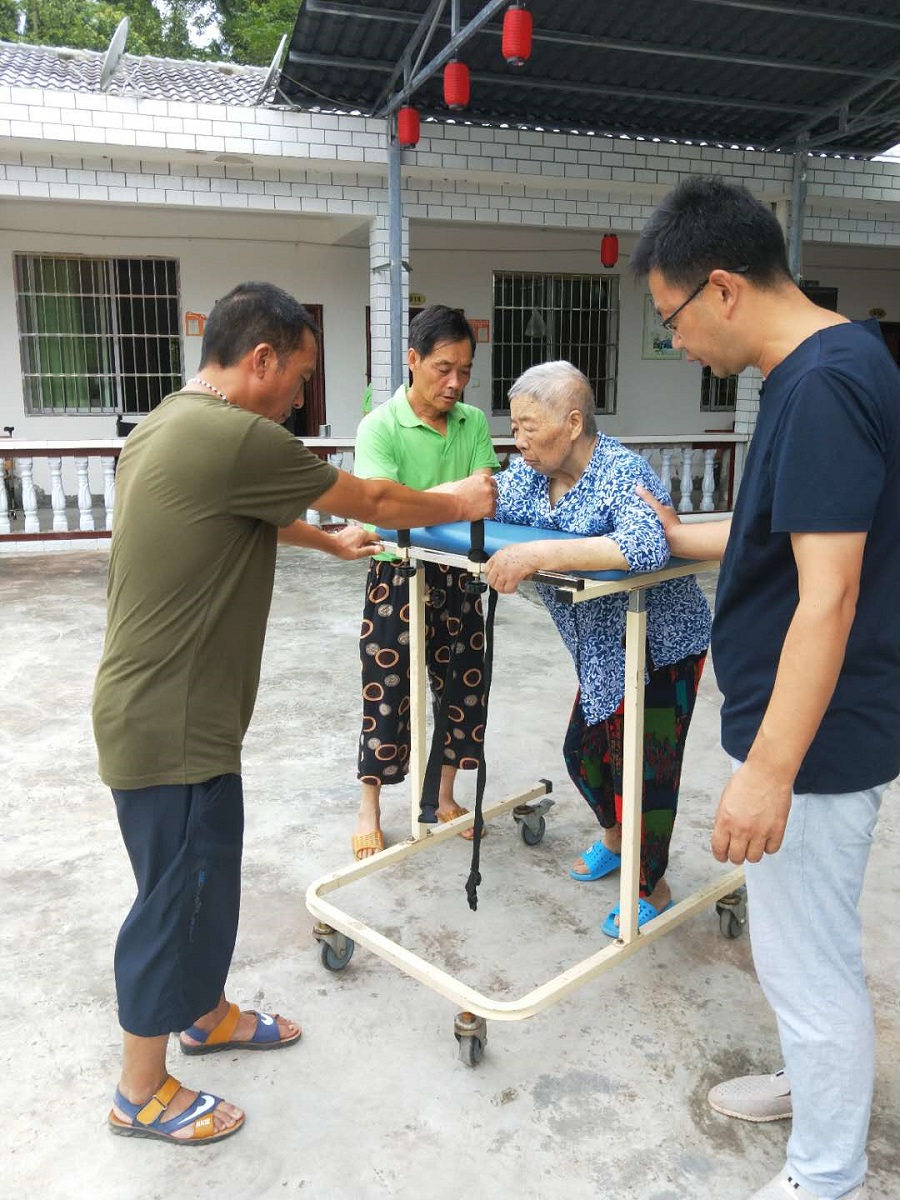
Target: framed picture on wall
point(657, 341)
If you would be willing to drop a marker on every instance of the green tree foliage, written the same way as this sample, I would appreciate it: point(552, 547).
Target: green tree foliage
point(250, 30)
point(243, 31)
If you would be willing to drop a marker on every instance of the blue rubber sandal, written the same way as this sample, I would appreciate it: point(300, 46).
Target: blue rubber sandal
point(145, 1120)
point(266, 1035)
point(646, 912)
point(599, 862)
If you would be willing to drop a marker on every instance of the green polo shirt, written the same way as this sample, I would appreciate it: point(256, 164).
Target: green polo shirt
point(393, 443)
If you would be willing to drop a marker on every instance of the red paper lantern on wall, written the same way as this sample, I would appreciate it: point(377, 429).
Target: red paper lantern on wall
point(456, 85)
point(407, 127)
point(609, 250)
point(517, 26)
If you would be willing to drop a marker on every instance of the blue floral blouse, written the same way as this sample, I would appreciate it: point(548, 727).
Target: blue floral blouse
point(603, 503)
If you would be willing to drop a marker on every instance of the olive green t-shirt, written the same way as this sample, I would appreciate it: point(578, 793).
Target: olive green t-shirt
point(201, 487)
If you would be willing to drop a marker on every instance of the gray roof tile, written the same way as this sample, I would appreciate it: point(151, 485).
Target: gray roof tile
point(151, 78)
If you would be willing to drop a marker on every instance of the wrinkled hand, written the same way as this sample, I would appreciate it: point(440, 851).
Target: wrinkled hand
point(478, 494)
point(668, 517)
point(752, 815)
point(355, 542)
point(506, 569)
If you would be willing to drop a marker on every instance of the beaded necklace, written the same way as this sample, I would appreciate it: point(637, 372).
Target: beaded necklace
point(209, 386)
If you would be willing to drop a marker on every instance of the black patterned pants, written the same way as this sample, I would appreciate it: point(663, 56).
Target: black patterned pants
point(454, 630)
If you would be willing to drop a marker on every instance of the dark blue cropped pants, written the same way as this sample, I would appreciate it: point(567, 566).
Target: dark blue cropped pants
point(174, 949)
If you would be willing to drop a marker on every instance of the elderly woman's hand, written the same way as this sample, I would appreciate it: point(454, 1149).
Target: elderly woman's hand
point(506, 569)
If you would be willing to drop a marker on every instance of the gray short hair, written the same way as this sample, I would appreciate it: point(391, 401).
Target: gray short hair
point(560, 387)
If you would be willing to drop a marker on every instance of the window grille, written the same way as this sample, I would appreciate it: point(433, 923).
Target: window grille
point(97, 335)
point(717, 395)
point(539, 318)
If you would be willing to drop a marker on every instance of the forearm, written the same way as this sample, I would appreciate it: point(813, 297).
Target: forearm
point(390, 505)
point(698, 539)
point(301, 533)
point(576, 554)
point(808, 670)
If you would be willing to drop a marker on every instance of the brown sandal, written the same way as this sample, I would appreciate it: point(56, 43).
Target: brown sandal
point(367, 841)
point(467, 835)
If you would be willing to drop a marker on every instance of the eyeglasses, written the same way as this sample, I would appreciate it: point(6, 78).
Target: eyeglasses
point(667, 322)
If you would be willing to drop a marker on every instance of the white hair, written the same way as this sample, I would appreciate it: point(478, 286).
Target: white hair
point(561, 387)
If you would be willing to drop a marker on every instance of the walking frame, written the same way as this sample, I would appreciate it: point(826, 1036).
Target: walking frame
point(338, 931)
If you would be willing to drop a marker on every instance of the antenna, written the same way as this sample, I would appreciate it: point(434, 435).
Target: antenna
point(274, 66)
point(114, 53)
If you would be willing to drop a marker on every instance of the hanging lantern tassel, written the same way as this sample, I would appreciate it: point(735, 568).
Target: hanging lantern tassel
point(456, 86)
point(407, 127)
point(609, 250)
point(517, 26)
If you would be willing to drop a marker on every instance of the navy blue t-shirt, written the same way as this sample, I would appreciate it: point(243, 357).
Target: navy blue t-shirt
point(825, 458)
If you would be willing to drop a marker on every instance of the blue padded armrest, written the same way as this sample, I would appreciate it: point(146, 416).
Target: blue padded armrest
point(456, 538)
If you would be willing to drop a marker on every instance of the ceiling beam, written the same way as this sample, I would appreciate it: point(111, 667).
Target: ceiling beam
point(340, 8)
point(450, 50)
point(816, 14)
point(839, 106)
point(582, 89)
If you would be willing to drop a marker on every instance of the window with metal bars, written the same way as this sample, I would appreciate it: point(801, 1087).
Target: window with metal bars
point(97, 335)
point(540, 318)
point(717, 395)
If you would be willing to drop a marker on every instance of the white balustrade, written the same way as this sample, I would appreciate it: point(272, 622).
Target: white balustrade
point(708, 486)
point(57, 496)
point(85, 504)
point(109, 488)
point(686, 504)
point(665, 468)
point(29, 496)
point(66, 473)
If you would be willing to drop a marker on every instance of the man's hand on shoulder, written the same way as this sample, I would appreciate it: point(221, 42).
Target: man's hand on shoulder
point(752, 815)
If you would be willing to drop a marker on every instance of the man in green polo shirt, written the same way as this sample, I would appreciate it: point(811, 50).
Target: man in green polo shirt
point(423, 437)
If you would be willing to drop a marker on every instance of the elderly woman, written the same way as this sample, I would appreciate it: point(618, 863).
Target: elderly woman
point(571, 477)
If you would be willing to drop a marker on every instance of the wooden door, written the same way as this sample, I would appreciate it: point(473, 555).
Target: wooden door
point(305, 421)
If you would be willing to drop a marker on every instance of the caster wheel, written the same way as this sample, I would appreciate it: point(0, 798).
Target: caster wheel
point(471, 1050)
point(531, 837)
point(331, 960)
point(729, 925)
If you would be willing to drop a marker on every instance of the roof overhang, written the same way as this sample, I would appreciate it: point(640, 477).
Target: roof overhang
point(749, 73)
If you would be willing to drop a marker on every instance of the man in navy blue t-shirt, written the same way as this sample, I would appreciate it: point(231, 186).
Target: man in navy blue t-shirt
point(806, 649)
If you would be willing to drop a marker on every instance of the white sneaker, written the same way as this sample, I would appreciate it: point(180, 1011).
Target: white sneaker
point(756, 1098)
point(783, 1187)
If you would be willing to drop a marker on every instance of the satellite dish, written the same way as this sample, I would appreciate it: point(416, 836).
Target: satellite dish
point(114, 53)
point(274, 67)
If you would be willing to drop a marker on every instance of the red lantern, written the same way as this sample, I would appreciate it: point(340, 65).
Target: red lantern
point(456, 85)
point(407, 127)
point(609, 250)
point(517, 26)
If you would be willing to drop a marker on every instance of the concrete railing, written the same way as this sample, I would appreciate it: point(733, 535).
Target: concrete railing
point(60, 495)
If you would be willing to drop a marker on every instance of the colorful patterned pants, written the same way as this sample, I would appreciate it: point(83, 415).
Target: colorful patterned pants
point(454, 628)
point(593, 755)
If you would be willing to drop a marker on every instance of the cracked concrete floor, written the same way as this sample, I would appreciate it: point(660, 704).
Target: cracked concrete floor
point(602, 1096)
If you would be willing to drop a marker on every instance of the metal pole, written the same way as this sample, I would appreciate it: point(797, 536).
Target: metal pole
point(395, 250)
point(798, 207)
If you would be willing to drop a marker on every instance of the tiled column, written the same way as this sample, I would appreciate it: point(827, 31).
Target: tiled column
point(746, 411)
point(380, 300)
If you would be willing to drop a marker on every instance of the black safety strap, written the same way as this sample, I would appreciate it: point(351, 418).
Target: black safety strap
point(474, 873)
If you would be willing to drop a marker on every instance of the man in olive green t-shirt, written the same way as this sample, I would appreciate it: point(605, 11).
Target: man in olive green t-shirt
point(206, 486)
point(423, 437)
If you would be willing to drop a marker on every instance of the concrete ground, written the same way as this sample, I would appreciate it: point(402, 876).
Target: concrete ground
point(601, 1096)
